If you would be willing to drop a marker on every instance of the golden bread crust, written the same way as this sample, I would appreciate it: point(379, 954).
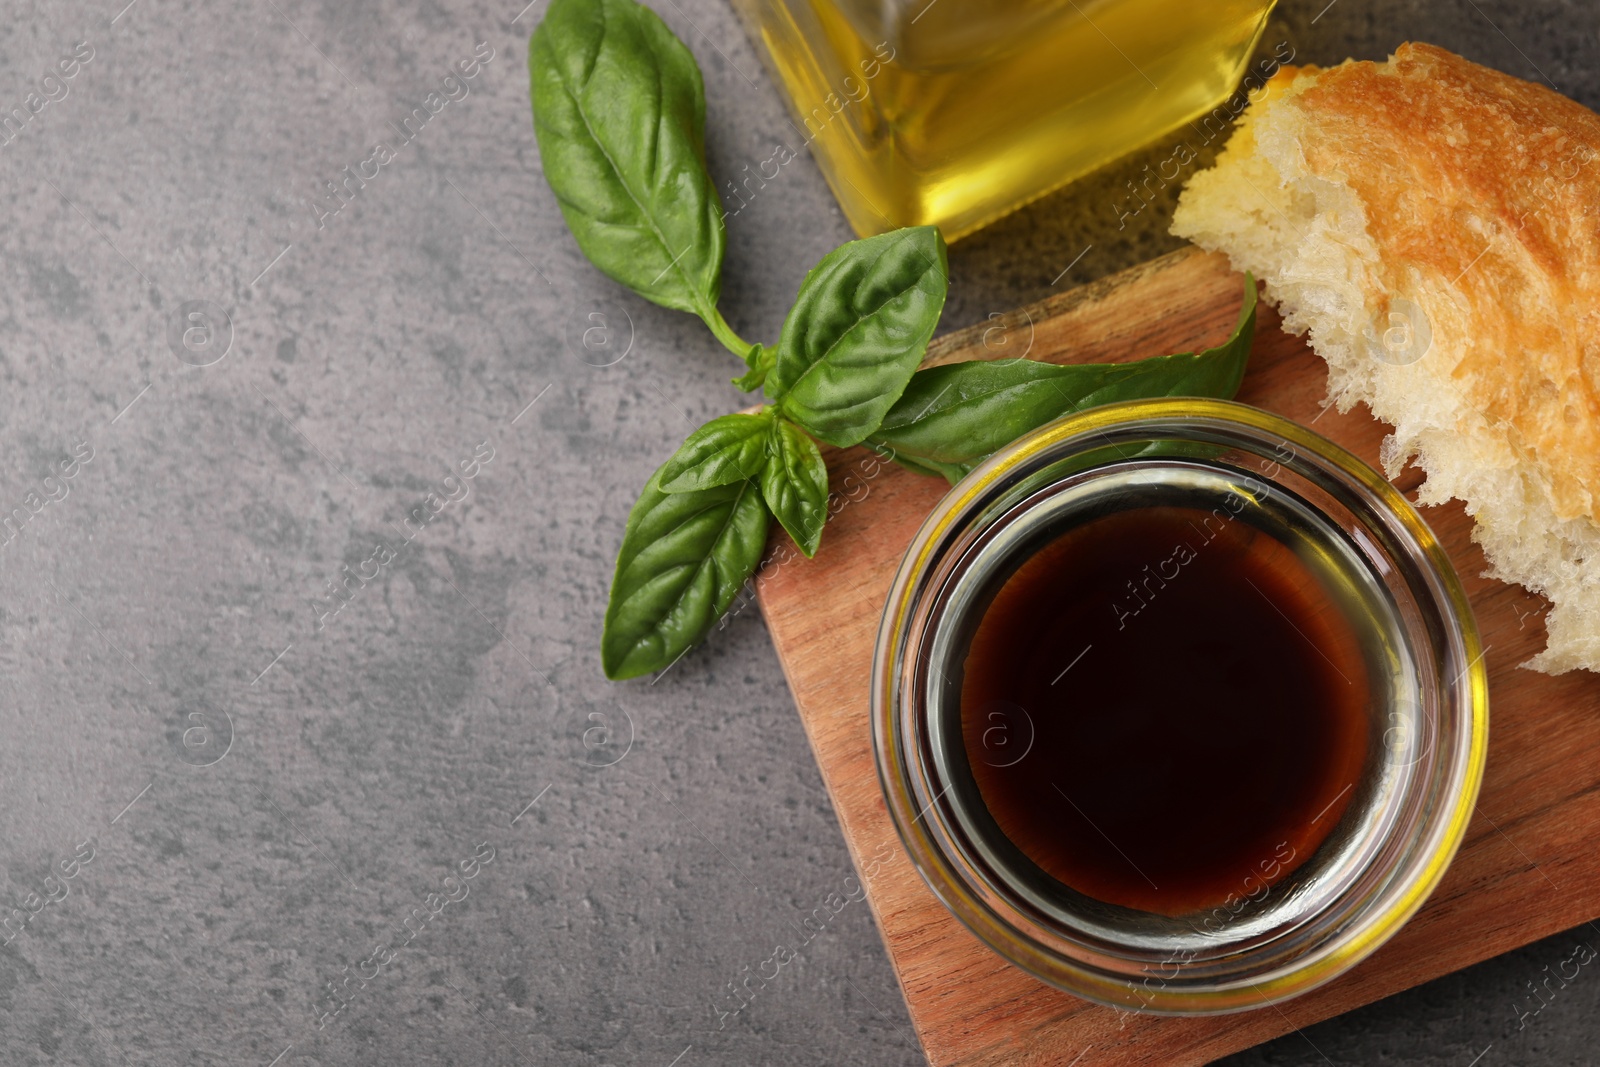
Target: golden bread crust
point(1482, 196)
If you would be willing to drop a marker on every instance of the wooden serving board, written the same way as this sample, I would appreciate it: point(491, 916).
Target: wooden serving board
point(1528, 868)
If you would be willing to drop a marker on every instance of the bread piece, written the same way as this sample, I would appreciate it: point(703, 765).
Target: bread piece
point(1435, 227)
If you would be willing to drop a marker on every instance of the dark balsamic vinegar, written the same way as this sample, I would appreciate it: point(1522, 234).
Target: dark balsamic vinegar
point(1197, 704)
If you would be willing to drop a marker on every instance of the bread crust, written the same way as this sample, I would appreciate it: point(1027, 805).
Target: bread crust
point(1463, 204)
point(1487, 185)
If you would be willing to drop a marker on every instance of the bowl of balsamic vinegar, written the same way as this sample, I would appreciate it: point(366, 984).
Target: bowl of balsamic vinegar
point(1179, 706)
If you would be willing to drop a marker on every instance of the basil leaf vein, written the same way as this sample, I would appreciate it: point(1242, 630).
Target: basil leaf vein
point(619, 112)
point(684, 558)
point(728, 449)
point(795, 485)
point(859, 326)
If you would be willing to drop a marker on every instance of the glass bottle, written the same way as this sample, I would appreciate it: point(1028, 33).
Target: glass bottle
point(954, 112)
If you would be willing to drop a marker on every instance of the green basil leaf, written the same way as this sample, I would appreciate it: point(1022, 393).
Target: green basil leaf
point(684, 558)
point(950, 472)
point(619, 111)
point(858, 329)
point(795, 485)
point(951, 418)
point(729, 449)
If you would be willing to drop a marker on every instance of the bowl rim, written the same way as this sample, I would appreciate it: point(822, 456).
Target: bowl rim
point(1446, 826)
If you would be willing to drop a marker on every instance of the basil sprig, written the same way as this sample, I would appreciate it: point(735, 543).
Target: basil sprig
point(619, 113)
point(849, 346)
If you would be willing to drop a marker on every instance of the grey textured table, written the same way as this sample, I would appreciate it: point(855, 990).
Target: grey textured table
point(223, 785)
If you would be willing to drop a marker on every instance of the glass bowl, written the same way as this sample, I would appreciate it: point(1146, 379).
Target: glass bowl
point(1427, 724)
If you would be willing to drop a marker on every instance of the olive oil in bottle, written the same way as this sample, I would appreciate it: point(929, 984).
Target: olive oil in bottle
point(953, 112)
